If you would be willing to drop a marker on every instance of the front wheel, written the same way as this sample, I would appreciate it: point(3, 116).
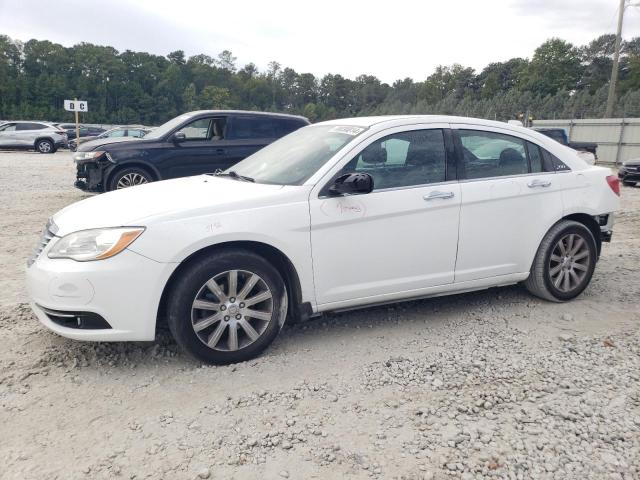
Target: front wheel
point(228, 307)
point(129, 177)
point(564, 263)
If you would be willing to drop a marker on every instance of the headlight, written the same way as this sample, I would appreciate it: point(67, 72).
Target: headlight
point(83, 156)
point(96, 244)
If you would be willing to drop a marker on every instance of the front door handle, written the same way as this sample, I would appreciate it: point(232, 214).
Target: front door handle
point(219, 151)
point(539, 183)
point(437, 194)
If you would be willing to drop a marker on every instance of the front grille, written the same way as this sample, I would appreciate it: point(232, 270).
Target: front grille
point(47, 234)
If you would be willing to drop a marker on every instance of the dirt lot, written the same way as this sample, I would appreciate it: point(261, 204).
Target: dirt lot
point(493, 384)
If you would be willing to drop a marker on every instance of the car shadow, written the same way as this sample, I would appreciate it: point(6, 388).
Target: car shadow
point(435, 312)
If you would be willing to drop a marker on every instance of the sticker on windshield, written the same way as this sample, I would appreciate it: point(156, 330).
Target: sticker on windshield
point(348, 130)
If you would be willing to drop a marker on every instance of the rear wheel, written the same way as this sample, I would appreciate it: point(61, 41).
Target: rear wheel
point(45, 146)
point(228, 307)
point(564, 263)
point(129, 177)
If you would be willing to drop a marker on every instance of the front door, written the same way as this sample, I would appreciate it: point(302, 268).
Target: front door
point(8, 135)
point(398, 239)
point(509, 201)
point(203, 150)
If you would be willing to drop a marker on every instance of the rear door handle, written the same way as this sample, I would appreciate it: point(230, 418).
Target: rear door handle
point(219, 151)
point(539, 183)
point(437, 194)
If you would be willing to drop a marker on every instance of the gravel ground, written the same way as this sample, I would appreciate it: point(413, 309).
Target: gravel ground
point(492, 384)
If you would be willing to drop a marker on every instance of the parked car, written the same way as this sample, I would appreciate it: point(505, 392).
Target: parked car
point(40, 136)
point(560, 135)
point(117, 132)
point(629, 172)
point(337, 215)
point(190, 144)
point(85, 131)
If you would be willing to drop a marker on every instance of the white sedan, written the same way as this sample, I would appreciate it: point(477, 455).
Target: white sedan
point(336, 215)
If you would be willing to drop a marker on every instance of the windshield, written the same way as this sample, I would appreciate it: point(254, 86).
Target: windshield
point(165, 128)
point(293, 159)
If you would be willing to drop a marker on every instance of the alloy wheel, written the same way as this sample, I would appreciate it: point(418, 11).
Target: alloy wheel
point(130, 180)
point(569, 262)
point(44, 147)
point(232, 310)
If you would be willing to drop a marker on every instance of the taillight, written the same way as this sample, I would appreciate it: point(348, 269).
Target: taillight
point(614, 183)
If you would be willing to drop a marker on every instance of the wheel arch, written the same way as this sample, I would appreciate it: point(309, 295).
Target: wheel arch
point(589, 222)
point(39, 139)
point(297, 309)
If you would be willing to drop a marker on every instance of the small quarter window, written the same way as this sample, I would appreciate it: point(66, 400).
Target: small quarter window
point(553, 162)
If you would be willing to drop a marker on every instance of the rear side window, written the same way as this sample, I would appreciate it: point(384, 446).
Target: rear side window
point(490, 154)
point(253, 127)
point(535, 159)
point(30, 126)
point(285, 126)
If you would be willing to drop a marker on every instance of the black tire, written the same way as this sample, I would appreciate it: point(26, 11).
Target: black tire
point(120, 177)
point(189, 286)
point(540, 282)
point(45, 145)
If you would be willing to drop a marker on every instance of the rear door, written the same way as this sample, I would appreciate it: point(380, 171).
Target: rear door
point(26, 133)
point(247, 134)
point(509, 201)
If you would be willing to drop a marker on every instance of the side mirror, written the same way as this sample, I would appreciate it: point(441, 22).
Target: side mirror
point(179, 137)
point(352, 184)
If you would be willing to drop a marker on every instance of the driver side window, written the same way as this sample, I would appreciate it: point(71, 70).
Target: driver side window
point(403, 159)
point(205, 129)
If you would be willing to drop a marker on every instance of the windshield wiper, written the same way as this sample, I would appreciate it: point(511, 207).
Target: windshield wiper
point(235, 176)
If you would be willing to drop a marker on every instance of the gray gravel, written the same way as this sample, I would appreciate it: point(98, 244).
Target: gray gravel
point(492, 384)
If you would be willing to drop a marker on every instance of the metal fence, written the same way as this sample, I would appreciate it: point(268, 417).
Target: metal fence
point(618, 139)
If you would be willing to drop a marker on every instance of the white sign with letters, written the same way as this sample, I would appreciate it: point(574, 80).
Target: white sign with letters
point(76, 106)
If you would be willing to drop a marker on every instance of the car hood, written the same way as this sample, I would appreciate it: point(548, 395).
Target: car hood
point(95, 143)
point(181, 198)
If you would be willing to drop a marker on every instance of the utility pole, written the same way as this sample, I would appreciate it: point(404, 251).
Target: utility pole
point(611, 98)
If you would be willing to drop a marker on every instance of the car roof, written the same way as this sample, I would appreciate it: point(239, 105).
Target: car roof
point(247, 112)
point(49, 124)
point(387, 121)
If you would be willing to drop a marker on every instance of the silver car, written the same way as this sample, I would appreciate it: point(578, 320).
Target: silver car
point(40, 136)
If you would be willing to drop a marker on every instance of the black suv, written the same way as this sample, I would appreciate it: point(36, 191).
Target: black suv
point(207, 141)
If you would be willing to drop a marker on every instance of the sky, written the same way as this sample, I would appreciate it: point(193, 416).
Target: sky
point(388, 39)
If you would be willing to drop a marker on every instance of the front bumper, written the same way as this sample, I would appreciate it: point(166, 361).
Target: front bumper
point(91, 175)
point(124, 291)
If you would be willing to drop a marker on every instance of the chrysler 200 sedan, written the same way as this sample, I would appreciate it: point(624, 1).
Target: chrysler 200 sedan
point(336, 215)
